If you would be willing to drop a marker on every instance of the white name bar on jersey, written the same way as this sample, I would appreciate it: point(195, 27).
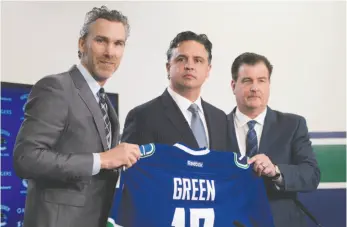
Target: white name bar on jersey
point(193, 189)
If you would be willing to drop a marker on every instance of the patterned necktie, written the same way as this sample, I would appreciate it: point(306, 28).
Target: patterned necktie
point(251, 141)
point(197, 126)
point(104, 110)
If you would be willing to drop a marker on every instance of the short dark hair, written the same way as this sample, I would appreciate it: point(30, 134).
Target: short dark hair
point(249, 59)
point(104, 13)
point(187, 36)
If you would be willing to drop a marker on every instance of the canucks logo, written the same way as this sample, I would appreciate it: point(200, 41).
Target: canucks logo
point(241, 161)
point(147, 150)
point(4, 211)
point(3, 144)
point(25, 183)
point(25, 186)
point(24, 97)
point(110, 222)
point(4, 139)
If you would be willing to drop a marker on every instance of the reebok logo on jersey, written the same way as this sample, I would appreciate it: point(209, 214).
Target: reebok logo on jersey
point(195, 163)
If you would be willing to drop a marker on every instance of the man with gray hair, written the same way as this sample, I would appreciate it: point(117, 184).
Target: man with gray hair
point(68, 145)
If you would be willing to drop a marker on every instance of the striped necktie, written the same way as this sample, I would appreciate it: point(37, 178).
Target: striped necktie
point(104, 110)
point(251, 140)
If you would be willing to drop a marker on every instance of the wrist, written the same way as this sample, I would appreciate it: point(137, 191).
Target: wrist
point(103, 161)
point(277, 174)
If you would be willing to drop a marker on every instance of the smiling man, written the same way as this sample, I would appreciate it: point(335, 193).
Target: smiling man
point(278, 143)
point(67, 146)
point(180, 115)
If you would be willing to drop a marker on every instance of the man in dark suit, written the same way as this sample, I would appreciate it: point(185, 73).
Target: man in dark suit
point(68, 145)
point(278, 143)
point(180, 115)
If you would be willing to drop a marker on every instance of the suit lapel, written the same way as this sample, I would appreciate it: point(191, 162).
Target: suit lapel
point(212, 131)
point(88, 98)
point(232, 133)
point(179, 122)
point(268, 135)
point(114, 122)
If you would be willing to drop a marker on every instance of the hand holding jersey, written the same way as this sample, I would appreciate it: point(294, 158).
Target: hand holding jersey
point(125, 154)
point(262, 165)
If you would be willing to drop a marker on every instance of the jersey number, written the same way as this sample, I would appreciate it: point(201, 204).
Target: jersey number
point(207, 214)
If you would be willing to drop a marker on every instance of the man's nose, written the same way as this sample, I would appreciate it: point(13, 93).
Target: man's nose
point(110, 50)
point(254, 87)
point(189, 64)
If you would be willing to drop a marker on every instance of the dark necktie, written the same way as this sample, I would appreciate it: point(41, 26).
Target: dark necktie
point(104, 110)
point(251, 140)
point(197, 126)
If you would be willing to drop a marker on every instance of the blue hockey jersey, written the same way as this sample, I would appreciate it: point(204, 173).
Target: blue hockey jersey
point(180, 187)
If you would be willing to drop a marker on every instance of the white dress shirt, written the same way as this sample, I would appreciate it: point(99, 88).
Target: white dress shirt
point(94, 87)
point(184, 103)
point(241, 128)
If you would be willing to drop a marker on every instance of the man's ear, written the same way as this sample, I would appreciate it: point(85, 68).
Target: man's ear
point(233, 84)
point(209, 69)
point(81, 45)
point(168, 70)
point(167, 67)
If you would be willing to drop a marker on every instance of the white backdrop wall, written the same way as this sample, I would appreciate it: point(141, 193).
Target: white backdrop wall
point(305, 41)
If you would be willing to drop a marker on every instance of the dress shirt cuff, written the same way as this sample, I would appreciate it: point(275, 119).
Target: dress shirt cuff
point(279, 183)
point(96, 163)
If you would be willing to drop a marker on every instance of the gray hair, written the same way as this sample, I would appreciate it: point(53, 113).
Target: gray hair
point(104, 13)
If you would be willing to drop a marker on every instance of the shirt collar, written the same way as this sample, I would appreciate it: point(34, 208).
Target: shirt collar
point(92, 83)
point(242, 119)
point(182, 102)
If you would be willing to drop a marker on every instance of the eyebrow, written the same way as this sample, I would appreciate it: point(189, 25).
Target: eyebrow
point(247, 77)
point(262, 77)
point(107, 39)
point(185, 56)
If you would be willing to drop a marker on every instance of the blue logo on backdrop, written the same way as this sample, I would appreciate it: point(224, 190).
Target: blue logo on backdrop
point(6, 173)
point(2, 188)
point(24, 97)
point(20, 210)
point(6, 112)
point(25, 185)
point(5, 99)
point(4, 142)
point(4, 132)
point(4, 212)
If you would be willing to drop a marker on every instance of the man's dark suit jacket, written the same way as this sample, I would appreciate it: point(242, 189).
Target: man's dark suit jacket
point(161, 121)
point(286, 142)
point(62, 128)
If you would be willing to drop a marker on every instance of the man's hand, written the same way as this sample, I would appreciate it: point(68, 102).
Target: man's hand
point(263, 165)
point(125, 154)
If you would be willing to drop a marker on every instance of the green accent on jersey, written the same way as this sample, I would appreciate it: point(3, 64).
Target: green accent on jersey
point(149, 153)
point(238, 164)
